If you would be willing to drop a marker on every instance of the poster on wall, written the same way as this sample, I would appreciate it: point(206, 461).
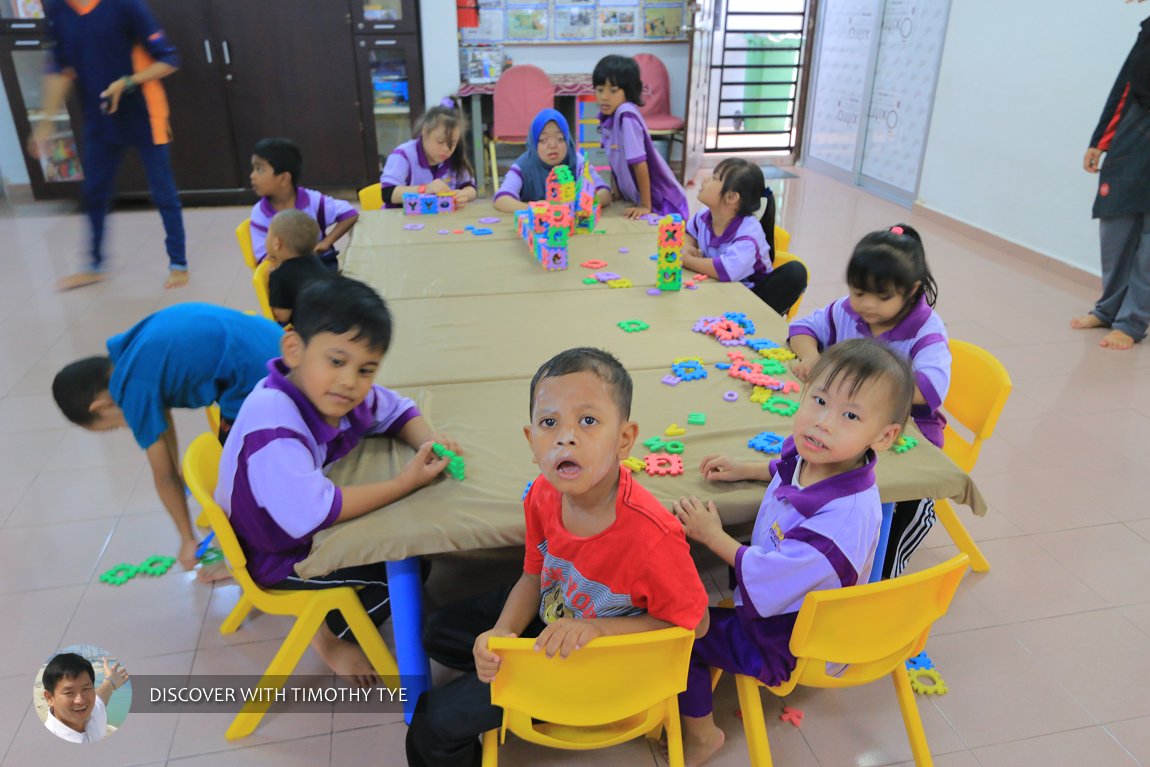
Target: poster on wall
point(526, 23)
point(490, 29)
point(574, 22)
point(618, 23)
point(662, 23)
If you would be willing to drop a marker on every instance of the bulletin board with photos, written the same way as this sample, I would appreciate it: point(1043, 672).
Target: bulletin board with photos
point(509, 22)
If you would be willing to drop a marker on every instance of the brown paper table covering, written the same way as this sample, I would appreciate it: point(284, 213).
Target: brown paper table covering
point(483, 266)
point(486, 338)
point(386, 227)
point(486, 511)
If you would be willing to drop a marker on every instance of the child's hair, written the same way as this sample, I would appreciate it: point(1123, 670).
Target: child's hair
point(77, 385)
point(342, 305)
point(859, 361)
point(66, 665)
point(745, 179)
point(283, 155)
point(449, 117)
point(622, 72)
point(298, 230)
point(585, 359)
point(892, 260)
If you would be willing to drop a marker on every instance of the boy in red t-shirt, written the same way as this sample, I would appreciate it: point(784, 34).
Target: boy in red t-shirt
point(602, 556)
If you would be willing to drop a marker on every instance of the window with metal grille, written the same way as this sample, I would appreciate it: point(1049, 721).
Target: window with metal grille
point(757, 66)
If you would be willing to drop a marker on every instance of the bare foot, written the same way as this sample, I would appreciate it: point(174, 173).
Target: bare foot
point(701, 740)
point(1116, 340)
point(216, 571)
point(345, 659)
point(177, 278)
point(1086, 321)
point(79, 280)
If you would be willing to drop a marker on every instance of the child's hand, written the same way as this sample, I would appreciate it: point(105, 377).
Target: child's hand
point(567, 635)
point(446, 441)
point(690, 250)
point(801, 368)
point(700, 522)
point(1093, 156)
point(461, 200)
point(487, 662)
point(116, 674)
point(722, 468)
point(424, 466)
point(437, 186)
point(187, 554)
point(637, 212)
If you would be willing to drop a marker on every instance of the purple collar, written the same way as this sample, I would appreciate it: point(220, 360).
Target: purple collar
point(809, 500)
point(905, 330)
point(357, 421)
point(706, 219)
point(300, 203)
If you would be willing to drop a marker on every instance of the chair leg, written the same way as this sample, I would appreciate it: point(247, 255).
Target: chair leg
point(367, 636)
point(754, 725)
point(491, 748)
point(674, 734)
point(237, 615)
point(949, 519)
point(911, 718)
point(494, 167)
point(202, 520)
point(278, 671)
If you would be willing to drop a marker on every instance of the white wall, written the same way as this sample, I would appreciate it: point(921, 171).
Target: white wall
point(439, 38)
point(1021, 87)
point(12, 167)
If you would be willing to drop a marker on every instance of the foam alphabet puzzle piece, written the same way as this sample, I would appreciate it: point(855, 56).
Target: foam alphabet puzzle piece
point(766, 442)
point(674, 430)
point(655, 444)
point(633, 463)
point(411, 204)
point(663, 465)
point(696, 419)
point(781, 406)
point(428, 204)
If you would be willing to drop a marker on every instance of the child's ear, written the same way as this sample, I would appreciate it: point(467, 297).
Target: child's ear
point(102, 402)
point(887, 438)
point(627, 436)
point(527, 434)
point(292, 347)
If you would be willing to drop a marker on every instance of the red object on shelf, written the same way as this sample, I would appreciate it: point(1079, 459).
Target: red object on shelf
point(467, 13)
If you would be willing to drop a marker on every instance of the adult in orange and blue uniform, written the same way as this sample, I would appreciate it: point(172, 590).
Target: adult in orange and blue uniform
point(116, 53)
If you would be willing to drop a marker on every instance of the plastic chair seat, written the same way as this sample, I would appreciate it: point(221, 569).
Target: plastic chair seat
point(244, 238)
point(260, 283)
point(371, 197)
point(661, 123)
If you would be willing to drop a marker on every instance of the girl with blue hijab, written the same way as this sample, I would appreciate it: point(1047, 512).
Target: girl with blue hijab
point(548, 144)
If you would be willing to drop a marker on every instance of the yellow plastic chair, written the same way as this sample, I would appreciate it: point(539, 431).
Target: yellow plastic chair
point(874, 629)
point(613, 690)
point(244, 237)
point(212, 413)
point(260, 283)
point(782, 239)
point(371, 197)
point(783, 257)
point(979, 388)
point(201, 471)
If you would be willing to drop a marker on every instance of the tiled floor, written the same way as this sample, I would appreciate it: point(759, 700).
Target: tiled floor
point(1045, 656)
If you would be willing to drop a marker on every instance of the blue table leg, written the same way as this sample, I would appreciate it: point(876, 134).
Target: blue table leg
point(880, 551)
point(405, 584)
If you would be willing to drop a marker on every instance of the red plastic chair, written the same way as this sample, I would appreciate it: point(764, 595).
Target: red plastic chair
point(656, 109)
point(522, 91)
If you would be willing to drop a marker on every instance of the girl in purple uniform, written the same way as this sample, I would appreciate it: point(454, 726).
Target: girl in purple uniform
point(892, 295)
point(641, 175)
point(432, 162)
point(724, 241)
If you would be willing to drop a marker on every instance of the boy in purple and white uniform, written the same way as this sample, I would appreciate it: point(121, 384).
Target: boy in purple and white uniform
point(817, 528)
point(316, 404)
point(276, 166)
point(920, 337)
point(641, 174)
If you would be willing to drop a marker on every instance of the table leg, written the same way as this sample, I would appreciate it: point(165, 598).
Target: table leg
point(478, 156)
point(405, 584)
point(880, 550)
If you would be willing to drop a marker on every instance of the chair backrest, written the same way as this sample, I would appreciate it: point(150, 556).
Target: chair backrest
point(260, 283)
point(610, 679)
point(783, 257)
point(244, 237)
point(979, 388)
point(521, 92)
point(656, 85)
point(873, 627)
point(202, 472)
point(782, 239)
point(371, 197)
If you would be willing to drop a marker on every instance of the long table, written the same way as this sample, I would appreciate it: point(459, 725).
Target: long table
point(466, 345)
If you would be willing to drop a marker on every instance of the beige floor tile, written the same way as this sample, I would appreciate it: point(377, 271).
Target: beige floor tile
point(75, 494)
point(1107, 558)
point(252, 752)
point(1089, 746)
point(1134, 735)
point(48, 556)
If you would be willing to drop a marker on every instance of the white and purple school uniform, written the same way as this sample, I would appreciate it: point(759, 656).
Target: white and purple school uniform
point(324, 209)
point(512, 185)
point(920, 337)
point(740, 253)
point(625, 137)
point(273, 481)
point(805, 539)
point(407, 166)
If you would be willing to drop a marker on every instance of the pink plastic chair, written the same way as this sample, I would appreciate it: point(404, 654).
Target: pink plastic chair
point(522, 91)
point(656, 109)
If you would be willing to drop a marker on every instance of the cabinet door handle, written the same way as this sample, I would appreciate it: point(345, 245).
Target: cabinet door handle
point(27, 43)
point(208, 51)
point(22, 25)
point(383, 26)
point(227, 53)
point(386, 42)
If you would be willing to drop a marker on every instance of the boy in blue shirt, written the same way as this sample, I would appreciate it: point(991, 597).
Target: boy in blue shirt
point(116, 53)
point(186, 356)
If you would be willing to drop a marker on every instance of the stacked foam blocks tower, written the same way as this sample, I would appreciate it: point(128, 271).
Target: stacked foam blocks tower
point(669, 264)
point(428, 204)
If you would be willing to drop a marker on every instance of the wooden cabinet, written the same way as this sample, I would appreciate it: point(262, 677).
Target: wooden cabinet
point(391, 92)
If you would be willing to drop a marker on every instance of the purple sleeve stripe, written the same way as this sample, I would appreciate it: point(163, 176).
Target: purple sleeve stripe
point(929, 393)
point(398, 424)
point(335, 511)
point(466, 184)
point(516, 171)
point(721, 270)
point(261, 227)
point(505, 193)
point(739, 578)
point(802, 330)
point(927, 340)
point(830, 310)
point(846, 572)
point(637, 160)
